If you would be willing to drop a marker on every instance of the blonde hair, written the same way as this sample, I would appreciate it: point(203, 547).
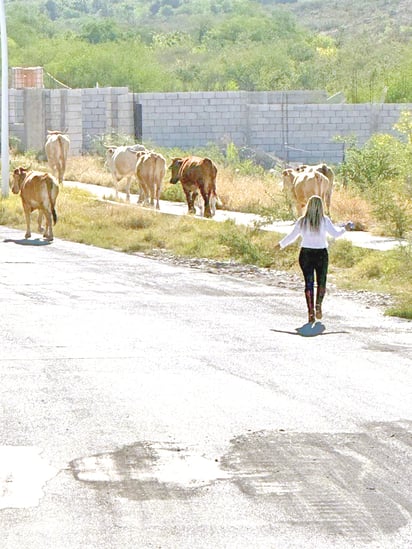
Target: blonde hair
point(313, 214)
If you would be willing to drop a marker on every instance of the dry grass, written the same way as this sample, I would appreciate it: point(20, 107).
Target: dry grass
point(246, 193)
point(260, 193)
point(88, 169)
point(348, 206)
point(237, 192)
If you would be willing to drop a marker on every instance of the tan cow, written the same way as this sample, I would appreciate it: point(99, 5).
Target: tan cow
point(38, 191)
point(325, 170)
point(288, 177)
point(121, 162)
point(57, 148)
point(196, 175)
point(150, 171)
point(304, 184)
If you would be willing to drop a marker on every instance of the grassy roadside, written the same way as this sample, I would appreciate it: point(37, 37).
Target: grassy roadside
point(128, 228)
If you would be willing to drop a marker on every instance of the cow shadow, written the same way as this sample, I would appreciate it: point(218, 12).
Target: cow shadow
point(28, 241)
point(310, 330)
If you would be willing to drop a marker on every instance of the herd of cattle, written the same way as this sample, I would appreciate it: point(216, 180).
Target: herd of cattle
point(197, 176)
point(39, 190)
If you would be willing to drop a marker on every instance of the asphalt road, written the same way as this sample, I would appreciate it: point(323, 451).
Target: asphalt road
point(147, 405)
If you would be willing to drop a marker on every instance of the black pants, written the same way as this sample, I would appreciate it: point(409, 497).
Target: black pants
point(313, 261)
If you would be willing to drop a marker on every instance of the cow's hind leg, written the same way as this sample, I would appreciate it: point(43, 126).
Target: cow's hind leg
point(40, 229)
point(128, 184)
point(190, 197)
point(48, 233)
point(328, 199)
point(142, 194)
point(157, 197)
point(206, 198)
point(116, 187)
point(27, 212)
point(146, 194)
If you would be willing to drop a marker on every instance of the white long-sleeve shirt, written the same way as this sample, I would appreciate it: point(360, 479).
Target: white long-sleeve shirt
point(313, 239)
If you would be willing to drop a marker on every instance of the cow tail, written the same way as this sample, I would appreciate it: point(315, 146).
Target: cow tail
point(49, 184)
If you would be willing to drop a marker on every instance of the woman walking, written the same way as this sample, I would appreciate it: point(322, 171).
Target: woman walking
point(313, 227)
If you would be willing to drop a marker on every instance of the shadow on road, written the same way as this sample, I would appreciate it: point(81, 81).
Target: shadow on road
point(309, 330)
point(28, 242)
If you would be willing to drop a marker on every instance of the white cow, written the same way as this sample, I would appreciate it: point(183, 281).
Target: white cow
point(302, 184)
point(325, 170)
point(57, 148)
point(121, 162)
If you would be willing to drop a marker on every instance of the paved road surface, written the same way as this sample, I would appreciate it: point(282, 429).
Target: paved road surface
point(147, 405)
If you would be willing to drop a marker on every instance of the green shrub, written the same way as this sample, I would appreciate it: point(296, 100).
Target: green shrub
point(342, 253)
point(240, 244)
point(380, 171)
point(402, 307)
point(392, 206)
point(173, 193)
point(383, 157)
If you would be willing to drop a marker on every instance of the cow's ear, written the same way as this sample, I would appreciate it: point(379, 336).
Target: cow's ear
point(175, 162)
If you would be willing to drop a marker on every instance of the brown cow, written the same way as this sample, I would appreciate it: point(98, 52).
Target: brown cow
point(304, 184)
point(150, 171)
point(196, 175)
point(57, 148)
point(38, 191)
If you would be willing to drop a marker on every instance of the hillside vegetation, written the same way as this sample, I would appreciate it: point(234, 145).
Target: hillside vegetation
point(360, 47)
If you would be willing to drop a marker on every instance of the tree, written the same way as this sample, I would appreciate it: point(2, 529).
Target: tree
point(98, 32)
point(51, 9)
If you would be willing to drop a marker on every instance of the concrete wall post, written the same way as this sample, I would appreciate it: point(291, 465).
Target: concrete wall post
point(34, 118)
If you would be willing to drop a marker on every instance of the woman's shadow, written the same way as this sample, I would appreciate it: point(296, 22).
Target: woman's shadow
point(310, 330)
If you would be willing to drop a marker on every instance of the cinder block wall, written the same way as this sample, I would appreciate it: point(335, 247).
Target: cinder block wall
point(16, 114)
point(297, 126)
point(194, 118)
point(105, 111)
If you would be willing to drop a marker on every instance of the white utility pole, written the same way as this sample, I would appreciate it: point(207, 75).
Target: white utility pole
point(5, 170)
